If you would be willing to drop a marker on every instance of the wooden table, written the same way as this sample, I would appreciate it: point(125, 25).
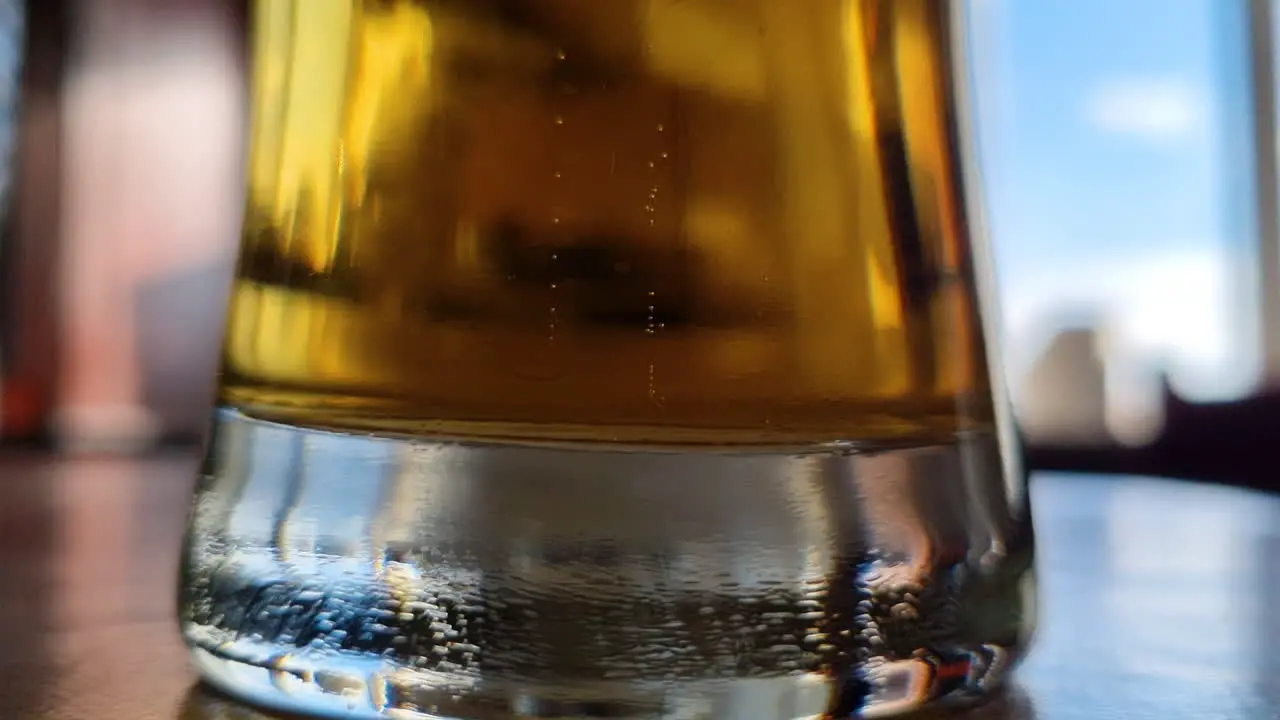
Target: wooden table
point(1157, 598)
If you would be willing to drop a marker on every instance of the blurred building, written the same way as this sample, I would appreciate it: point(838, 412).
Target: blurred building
point(1063, 396)
point(1087, 388)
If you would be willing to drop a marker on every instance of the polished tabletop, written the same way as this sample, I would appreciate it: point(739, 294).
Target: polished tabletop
point(1157, 598)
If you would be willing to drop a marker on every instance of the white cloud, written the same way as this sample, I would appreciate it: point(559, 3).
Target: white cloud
point(1158, 110)
point(1184, 307)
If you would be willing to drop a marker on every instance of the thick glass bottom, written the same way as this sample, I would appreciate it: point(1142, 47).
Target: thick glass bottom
point(357, 576)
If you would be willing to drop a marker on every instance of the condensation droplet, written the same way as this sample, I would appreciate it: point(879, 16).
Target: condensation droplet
point(560, 54)
point(559, 120)
point(661, 127)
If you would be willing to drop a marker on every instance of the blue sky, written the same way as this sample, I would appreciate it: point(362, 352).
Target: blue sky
point(1114, 156)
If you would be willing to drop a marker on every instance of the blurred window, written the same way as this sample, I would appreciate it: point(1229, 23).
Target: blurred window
point(1118, 154)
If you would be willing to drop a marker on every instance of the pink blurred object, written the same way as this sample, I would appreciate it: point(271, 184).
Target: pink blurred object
point(151, 202)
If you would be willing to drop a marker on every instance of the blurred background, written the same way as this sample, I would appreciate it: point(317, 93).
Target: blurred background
point(1130, 184)
point(126, 201)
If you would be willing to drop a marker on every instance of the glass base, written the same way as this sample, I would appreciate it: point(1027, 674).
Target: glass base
point(366, 577)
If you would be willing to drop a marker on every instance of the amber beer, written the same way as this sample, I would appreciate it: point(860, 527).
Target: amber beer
point(692, 221)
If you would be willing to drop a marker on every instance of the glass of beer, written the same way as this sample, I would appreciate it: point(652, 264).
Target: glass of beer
point(609, 359)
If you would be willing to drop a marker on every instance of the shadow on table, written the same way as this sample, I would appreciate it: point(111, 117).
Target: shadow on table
point(204, 703)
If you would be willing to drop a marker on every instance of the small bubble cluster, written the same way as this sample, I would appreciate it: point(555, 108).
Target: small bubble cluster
point(553, 308)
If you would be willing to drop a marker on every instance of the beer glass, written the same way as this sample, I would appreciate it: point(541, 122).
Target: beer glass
point(609, 359)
